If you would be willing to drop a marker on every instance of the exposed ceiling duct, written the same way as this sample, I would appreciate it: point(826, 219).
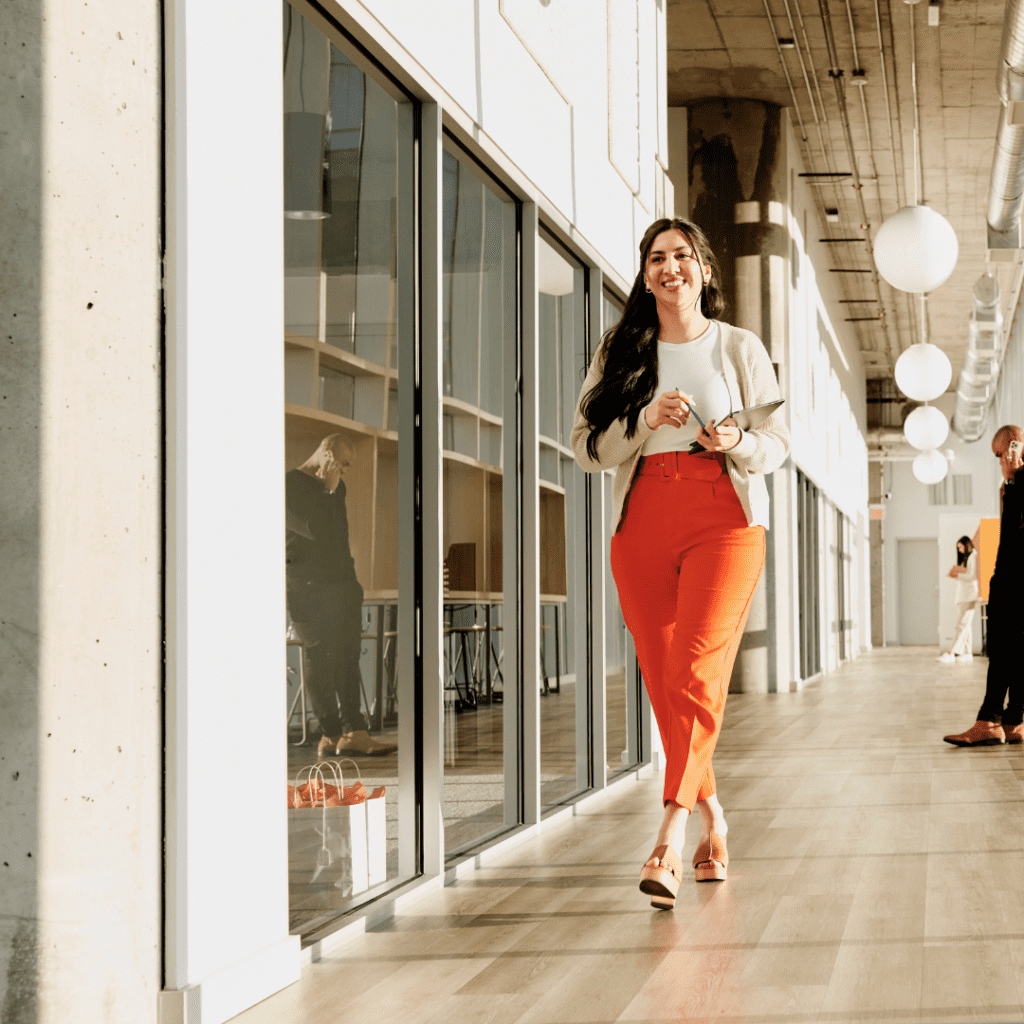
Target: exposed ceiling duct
point(980, 369)
point(1006, 191)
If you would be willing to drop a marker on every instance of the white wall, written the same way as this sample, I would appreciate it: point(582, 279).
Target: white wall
point(824, 387)
point(535, 80)
point(909, 515)
point(226, 907)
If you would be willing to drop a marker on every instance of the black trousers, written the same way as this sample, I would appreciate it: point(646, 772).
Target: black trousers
point(330, 629)
point(1005, 666)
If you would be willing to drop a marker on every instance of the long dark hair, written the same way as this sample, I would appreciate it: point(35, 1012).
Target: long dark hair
point(631, 346)
point(962, 556)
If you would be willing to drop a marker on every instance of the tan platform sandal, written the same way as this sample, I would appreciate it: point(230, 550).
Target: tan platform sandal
point(711, 859)
point(661, 882)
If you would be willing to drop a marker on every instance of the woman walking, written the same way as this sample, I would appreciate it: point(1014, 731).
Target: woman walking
point(965, 572)
point(689, 543)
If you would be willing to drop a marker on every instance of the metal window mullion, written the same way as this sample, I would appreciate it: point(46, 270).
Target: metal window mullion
point(598, 560)
point(634, 704)
point(511, 540)
point(580, 539)
point(430, 627)
point(530, 505)
point(409, 667)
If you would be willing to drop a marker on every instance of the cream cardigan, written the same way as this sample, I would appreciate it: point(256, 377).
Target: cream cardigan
point(750, 378)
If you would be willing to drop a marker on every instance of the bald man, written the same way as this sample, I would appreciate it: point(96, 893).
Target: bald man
point(325, 598)
point(1005, 609)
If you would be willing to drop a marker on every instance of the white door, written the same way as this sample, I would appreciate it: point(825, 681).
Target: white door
point(917, 570)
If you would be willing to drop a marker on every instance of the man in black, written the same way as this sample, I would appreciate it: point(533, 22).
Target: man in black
point(1005, 638)
point(325, 599)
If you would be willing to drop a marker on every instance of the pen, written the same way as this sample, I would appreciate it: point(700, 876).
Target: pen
point(696, 416)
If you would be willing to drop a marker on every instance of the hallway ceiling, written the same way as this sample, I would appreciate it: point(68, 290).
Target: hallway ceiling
point(729, 48)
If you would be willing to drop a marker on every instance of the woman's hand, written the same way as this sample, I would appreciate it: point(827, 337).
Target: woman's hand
point(955, 571)
point(671, 407)
point(721, 438)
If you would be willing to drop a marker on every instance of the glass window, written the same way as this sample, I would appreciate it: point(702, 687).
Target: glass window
point(621, 704)
point(565, 705)
point(347, 147)
point(479, 331)
point(808, 554)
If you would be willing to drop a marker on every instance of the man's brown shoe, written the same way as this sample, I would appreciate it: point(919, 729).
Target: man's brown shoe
point(981, 734)
point(358, 742)
point(1014, 733)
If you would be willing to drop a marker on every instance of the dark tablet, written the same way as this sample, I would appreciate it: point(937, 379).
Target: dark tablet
point(752, 418)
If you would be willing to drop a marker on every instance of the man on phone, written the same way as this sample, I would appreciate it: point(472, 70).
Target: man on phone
point(1005, 609)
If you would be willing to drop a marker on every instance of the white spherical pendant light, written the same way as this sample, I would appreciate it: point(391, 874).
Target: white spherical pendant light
point(926, 428)
point(916, 249)
point(923, 372)
point(930, 467)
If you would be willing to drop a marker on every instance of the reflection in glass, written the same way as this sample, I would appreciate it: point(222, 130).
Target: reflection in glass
point(478, 329)
point(561, 356)
point(618, 727)
point(345, 141)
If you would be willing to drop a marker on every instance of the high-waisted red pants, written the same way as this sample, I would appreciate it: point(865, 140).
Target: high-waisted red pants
point(686, 564)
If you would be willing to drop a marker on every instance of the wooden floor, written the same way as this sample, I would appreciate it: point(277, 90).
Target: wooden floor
point(877, 876)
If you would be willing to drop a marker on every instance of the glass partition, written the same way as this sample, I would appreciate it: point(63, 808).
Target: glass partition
point(348, 197)
point(565, 704)
point(479, 331)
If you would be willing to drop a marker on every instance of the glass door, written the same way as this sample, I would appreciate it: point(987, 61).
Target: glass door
point(480, 280)
point(347, 343)
point(809, 572)
point(622, 678)
point(565, 698)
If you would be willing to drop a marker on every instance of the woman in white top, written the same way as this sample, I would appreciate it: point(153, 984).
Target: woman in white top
point(965, 572)
point(688, 547)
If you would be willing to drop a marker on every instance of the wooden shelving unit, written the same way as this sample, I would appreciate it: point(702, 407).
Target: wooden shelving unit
point(372, 482)
point(472, 499)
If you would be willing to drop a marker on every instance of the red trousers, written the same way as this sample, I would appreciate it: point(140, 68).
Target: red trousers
point(686, 563)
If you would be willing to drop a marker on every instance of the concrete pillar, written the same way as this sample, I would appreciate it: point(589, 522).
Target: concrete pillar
point(738, 194)
point(80, 503)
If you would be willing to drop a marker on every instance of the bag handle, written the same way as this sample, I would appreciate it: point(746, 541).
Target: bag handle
point(339, 778)
point(323, 855)
point(345, 760)
point(316, 771)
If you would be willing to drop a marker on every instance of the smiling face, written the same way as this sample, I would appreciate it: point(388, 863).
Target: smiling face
point(674, 273)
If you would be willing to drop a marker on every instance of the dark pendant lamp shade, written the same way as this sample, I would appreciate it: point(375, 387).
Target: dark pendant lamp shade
point(307, 192)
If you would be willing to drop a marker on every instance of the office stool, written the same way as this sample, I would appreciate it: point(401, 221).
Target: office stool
point(300, 694)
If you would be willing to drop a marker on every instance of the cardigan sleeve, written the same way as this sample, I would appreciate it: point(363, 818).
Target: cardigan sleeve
point(613, 447)
point(764, 449)
point(970, 572)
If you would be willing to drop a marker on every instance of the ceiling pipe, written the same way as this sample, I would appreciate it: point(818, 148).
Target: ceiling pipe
point(836, 73)
point(889, 444)
point(1006, 190)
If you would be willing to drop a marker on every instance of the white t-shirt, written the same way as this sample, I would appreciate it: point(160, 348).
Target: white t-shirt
point(695, 368)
